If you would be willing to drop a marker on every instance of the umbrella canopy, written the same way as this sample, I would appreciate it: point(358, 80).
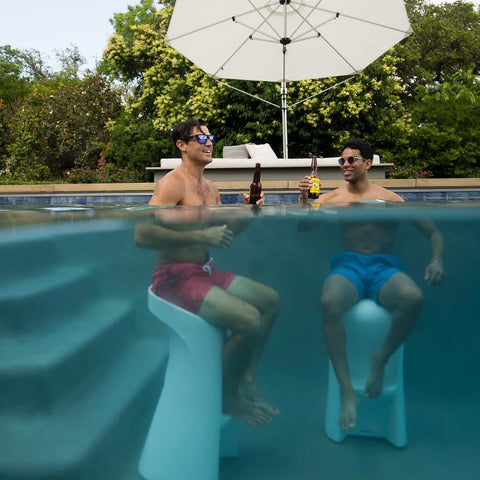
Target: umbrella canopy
point(285, 40)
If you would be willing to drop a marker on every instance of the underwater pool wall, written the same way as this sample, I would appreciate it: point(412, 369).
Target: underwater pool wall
point(82, 359)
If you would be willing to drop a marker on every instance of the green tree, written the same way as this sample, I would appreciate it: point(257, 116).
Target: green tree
point(448, 124)
point(446, 40)
point(14, 81)
point(385, 104)
point(136, 144)
point(64, 129)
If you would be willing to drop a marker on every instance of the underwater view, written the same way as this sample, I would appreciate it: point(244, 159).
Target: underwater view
point(83, 359)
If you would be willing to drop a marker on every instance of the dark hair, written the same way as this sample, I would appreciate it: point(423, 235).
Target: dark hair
point(184, 129)
point(365, 148)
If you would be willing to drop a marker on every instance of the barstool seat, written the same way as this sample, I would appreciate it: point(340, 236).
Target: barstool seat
point(367, 324)
point(183, 442)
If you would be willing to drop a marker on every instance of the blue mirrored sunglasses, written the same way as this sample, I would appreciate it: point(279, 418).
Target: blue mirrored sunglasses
point(202, 138)
point(350, 160)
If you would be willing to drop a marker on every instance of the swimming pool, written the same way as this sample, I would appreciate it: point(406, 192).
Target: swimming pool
point(82, 359)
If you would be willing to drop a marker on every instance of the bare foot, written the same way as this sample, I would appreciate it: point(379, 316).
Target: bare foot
point(374, 384)
point(248, 412)
point(249, 391)
point(348, 413)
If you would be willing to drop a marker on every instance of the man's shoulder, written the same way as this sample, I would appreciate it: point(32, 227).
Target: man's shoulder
point(169, 190)
point(385, 194)
point(333, 196)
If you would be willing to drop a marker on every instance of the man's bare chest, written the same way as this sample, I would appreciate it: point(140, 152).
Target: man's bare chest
point(200, 194)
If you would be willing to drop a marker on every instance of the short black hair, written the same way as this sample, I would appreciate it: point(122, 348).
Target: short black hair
point(184, 129)
point(365, 148)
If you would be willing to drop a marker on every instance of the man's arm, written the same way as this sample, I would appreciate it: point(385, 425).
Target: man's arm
point(154, 236)
point(434, 272)
point(169, 191)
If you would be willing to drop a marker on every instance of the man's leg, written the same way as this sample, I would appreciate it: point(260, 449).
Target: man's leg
point(338, 295)
point(402, 295)
point(267, 301)
point(244, 320)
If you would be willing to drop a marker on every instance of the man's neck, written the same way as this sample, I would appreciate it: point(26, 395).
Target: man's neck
point(359, 187)
point(192, 169)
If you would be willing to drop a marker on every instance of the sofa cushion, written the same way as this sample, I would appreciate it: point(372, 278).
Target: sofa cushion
point(261, 152)
point(235, 151)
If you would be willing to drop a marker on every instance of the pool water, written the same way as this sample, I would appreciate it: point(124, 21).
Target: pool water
point(82, 360)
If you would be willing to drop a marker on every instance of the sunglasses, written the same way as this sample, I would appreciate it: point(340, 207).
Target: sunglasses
point(202, 138)
point(350, 160)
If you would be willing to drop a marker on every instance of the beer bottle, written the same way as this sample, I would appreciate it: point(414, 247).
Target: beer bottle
point(314, 191)
point(256, 186)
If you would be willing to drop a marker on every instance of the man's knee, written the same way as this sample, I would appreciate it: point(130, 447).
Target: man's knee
point(250, 322)
point(272, 302)
point(414, 297)
point(410, 297)
point(331, 303)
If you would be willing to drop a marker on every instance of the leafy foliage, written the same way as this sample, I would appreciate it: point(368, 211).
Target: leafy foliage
point(62, 130)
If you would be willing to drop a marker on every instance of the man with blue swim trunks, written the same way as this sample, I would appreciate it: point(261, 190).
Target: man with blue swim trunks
point(366, 269)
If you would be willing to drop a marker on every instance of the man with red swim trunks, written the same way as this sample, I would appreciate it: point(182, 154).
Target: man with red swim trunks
point(185, 274)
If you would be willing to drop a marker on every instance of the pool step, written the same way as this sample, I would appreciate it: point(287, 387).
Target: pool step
point(90, 435)
point(81, 357)
point(32, 302)
point(38, 367)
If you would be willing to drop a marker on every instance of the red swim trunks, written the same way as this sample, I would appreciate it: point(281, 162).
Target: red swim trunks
point(187, 284)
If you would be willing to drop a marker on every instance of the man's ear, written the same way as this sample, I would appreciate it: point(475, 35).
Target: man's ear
point(368, 163)
point(180, 144)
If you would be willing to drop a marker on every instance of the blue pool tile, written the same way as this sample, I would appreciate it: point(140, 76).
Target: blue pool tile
point(272, 199)
point(135, 199)
point(457, 196)
point(231, 198)
point(414, 196)
point(435, 196)
point(7, 201)
point(102, 200)
point(78, 200)
point(60, 200)
point(35, 200)
point(288, 198)
point(474, 195)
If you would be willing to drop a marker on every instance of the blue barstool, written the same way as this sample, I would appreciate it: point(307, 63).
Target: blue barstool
point(367, 324)
point(188, 432)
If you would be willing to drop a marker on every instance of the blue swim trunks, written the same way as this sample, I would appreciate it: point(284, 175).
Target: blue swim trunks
point(367, 272)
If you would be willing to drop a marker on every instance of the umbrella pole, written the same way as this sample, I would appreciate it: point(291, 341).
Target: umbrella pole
point(284, 119)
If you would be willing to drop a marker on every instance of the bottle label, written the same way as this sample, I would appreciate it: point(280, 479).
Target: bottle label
point(315, 188)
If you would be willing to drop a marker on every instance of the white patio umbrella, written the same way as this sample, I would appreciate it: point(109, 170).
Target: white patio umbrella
point(285, 40)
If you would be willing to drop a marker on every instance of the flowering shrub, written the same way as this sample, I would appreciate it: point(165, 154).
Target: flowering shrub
point(108, 173)
point(409, 171)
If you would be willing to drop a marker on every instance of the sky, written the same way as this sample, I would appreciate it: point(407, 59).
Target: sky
point(51, 25)
point(54, 25)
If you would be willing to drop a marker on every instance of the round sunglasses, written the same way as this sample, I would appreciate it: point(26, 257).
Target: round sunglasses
point(350, 160)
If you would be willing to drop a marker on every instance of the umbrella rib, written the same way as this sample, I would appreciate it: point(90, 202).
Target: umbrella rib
point(191, 32)
point(339, 54)
point(305, 18)
point(250, 37)
point(364, 20)
point(228, 19)
point(319, 93)
point(246, 93)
